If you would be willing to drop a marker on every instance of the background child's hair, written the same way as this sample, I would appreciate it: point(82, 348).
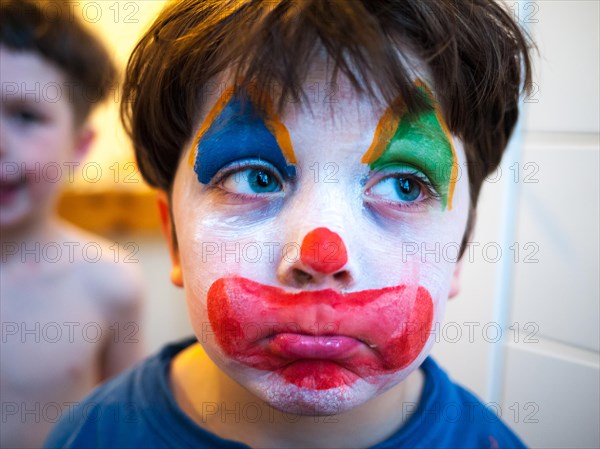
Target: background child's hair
point(477, 55)
point(52, 30)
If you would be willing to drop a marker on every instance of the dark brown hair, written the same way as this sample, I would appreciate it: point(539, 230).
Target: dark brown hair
point(52, 29)
point(477, 55)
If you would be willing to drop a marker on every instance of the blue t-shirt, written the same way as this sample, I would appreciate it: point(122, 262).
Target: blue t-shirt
point(138, 410)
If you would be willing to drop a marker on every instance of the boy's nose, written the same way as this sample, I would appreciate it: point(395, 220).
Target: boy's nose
point(322, 262)
point(323, 251)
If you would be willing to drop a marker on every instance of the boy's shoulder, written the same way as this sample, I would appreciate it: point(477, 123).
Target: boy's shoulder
point(134, 409)
point(68, 287)
point(107, 269)
point(138, 409)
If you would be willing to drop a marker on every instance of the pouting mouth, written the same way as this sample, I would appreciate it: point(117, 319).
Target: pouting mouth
point(293, 346)
point(318, 322)
point(381, 327)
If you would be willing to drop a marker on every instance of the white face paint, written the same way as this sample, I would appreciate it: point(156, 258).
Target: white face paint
point(306, 336)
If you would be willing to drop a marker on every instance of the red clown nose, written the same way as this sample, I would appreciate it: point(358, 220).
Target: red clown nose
point(323, 251)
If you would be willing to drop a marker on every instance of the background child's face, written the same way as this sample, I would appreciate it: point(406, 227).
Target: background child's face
point(304, 254)
point(37, 136)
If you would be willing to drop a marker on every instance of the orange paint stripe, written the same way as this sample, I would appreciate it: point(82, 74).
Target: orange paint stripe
point(454, 172)
point(282, 136)
point(210, 118)
point(277, 128)
point(386, 127)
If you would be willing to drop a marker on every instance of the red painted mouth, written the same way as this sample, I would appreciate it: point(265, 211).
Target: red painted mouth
point(320, 339)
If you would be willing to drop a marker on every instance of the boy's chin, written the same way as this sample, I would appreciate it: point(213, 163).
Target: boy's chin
point(296, 400)
point(291, 399)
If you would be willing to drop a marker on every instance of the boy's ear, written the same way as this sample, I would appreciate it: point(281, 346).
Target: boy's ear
point(167, 228)
point(83, 140)
point(455, 284)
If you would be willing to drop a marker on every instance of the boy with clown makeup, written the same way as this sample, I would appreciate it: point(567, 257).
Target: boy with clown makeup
point(297, 148)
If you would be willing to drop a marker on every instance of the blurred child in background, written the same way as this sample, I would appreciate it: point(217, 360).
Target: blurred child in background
point(69, 311)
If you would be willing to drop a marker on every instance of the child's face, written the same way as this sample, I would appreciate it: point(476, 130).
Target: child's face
point(317, 249)
point(38, 136)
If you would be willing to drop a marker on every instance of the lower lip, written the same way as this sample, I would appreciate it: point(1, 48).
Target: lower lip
point(313, 359)
point(300, 346)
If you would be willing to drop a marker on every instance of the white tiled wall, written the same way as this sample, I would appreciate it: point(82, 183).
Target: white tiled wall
point(551, 395)
point(545, 374)
point(559, 216)
point(559, 371)
point(555, 298)
point(567, 70)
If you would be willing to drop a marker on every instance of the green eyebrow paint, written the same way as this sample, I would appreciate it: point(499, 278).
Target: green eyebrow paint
point(419, 140)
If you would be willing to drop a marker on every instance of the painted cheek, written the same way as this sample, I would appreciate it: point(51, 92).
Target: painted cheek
point(323, 251)
point(320, 339)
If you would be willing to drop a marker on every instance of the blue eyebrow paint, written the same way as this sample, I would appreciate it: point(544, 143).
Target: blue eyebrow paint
point(238, 132)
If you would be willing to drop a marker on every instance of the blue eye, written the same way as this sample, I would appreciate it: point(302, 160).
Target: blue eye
point(251, 181)
point(262, 181)
point(399, 189)
point(407, 189)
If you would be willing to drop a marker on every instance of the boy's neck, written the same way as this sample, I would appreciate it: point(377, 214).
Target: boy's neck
point(220, 405)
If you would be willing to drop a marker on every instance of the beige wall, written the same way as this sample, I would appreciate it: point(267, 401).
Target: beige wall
point(119, 24)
